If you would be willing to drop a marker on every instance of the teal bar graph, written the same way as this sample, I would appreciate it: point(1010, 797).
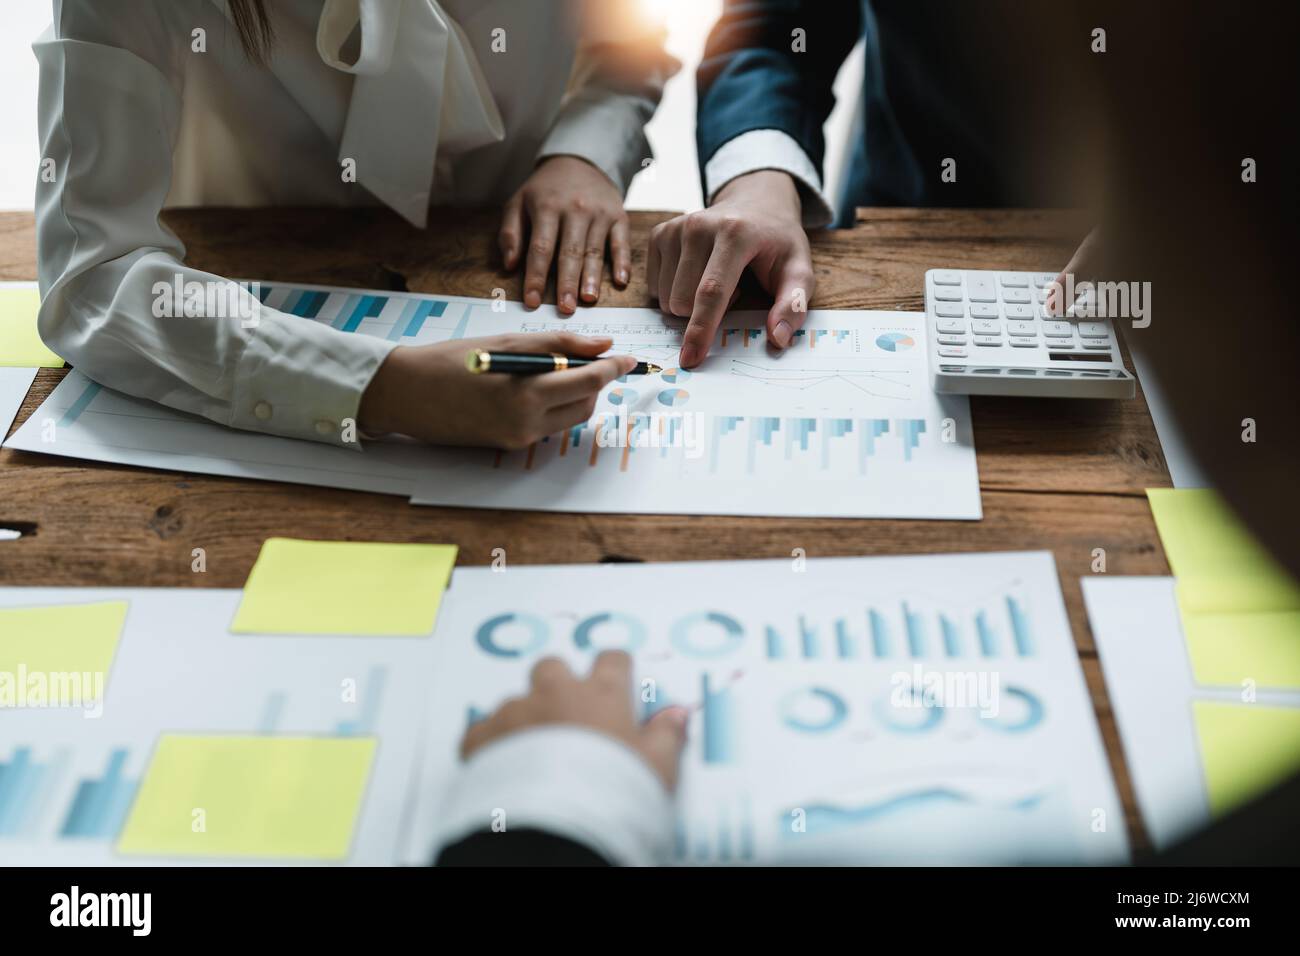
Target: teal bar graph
point(988, 640)
point(1019, 628)
point(833, 428)
point(879, 633)
point(723, 425)
point(761, 430)
point(81, 404)
point(24, 782)
point(798, 432)
point(717, 707)
point(915, 629)
point(845, 643)
point(910, 430)
point(100, 806)
point(808, 639)
point(951, 639)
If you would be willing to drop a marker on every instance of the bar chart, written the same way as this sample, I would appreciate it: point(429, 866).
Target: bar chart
point(100, 804)
point(396, 316)
point(25, 783)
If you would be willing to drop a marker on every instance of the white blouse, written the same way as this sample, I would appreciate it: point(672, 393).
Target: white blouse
point(152, 103)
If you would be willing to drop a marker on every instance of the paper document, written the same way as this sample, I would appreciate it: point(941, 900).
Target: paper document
point(1240, 611)
point(295, 749)
point(843, 423)
point(850, 710)
point(14, 385)
point(1192, 750)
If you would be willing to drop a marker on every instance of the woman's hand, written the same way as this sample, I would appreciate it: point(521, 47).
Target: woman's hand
point(602, 702)
point(571, 210)
point(426, 392)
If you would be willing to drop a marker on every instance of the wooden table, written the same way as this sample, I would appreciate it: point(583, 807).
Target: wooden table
point(1068, 476)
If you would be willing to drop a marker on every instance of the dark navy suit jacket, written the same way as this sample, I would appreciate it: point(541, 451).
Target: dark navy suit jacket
point(935, 87)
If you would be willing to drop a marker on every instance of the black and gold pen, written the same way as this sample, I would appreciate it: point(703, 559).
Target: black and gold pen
point(480, 361)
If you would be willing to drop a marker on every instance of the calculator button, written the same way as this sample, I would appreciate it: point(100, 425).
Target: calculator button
point(952, 352)
point(952, 340)
point(1058, 328)
point(980, 288)
point(952, 326)
point(1094, 330)
point(950, 310)
point(1022, 328)
point(1025, 343)
point(984, 310)
point(946, 277)
point(988, 340)
point(948, 293)
point(1017, 311)
point(1043, 279)
point(986, 326)
point(1012, 280)
point(1097, 344)
point(1015, 295)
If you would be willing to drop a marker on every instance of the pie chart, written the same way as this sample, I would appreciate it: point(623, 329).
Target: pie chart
point(673, 397)
point(895, 342)
point(621, 396)
point(674, 375)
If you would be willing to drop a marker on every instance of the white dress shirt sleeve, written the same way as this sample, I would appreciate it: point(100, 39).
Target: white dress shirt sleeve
point(770, 149)
point(569, 781)
point(617, 81)
point(109, 114)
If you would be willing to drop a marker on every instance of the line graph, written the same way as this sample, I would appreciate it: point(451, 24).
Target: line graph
point(878, 383)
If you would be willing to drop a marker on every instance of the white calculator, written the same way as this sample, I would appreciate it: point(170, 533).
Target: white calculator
point(991, 334)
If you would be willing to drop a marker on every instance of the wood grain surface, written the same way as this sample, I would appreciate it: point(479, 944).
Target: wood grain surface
point(1065, 476)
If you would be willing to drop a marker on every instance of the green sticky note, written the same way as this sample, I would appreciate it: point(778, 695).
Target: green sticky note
point(1245, 749)
point(20, 342)
point(344, 587)
point(59, 655)
point(274, 798)
point(1240, 610)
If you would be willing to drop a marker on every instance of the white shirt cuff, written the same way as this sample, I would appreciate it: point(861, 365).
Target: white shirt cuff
point(300, 379)
point(770, 149)
point(569, 781)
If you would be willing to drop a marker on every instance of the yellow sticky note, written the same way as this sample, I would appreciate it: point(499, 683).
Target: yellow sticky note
point(1240, 611)
point(344, 587)
point(20, 342)
point(1245, 749)
point(59, 655)
point(273, 798)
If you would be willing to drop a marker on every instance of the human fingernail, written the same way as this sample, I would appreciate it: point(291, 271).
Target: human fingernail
point(532, 299)
point(782, 333)
point(622, 276)
point(570, 303)
point(690, 355)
